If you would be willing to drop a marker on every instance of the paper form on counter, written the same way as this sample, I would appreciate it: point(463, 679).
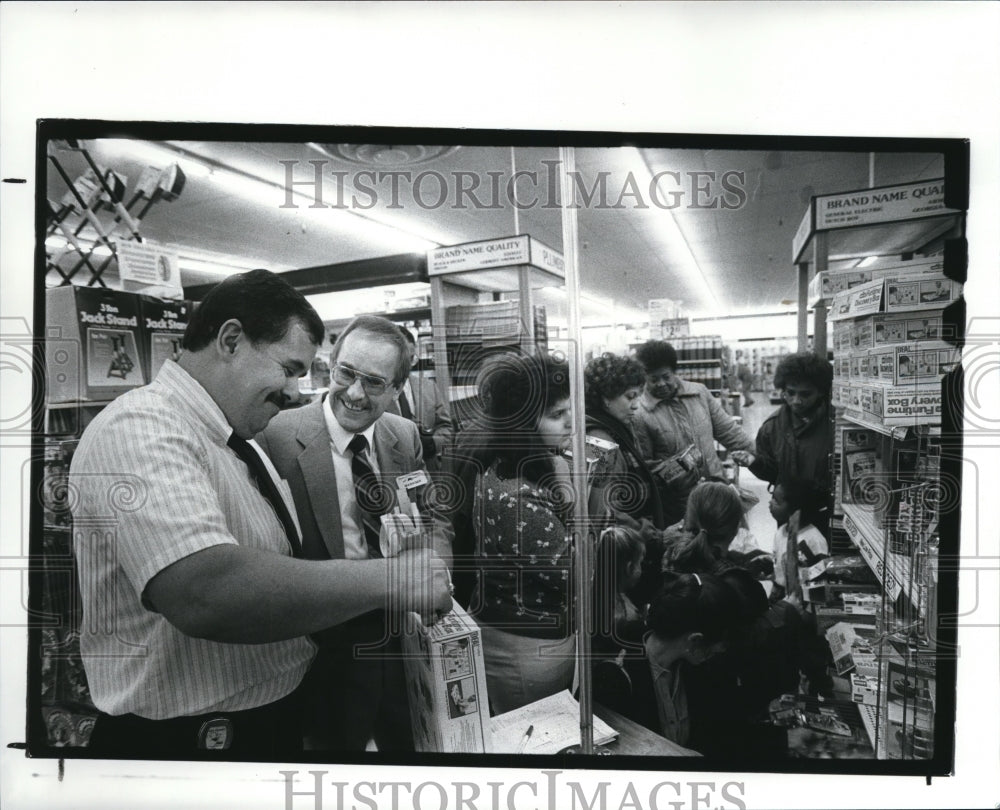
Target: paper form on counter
point(556, 721)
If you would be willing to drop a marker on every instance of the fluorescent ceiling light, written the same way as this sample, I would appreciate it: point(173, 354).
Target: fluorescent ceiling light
point(153, 154)
point(348, 303)
point(390, 232)
point(675, 236)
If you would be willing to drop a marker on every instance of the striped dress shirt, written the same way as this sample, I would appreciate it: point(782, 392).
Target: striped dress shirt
point(153, 482)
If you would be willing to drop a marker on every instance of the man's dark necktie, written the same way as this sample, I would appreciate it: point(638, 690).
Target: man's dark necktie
point(267, 488)
point(404, 406)
point(373, 498)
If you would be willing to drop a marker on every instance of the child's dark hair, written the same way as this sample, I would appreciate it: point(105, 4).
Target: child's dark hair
point(749, 592)
point(688, 603)
point(802, 496)
point(619, 550)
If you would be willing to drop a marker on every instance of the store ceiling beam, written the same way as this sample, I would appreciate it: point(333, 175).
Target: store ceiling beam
point(402, 268)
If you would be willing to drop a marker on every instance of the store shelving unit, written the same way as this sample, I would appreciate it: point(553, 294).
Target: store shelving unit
point(889, 354)
point(699, 359)
point(468, 331)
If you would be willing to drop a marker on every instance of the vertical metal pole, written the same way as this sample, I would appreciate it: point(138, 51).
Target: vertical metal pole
point(525, 301)
point(803, 331)
point(439, 330)
point(820, 264)
point(513, 188)
point(526, 309)
point(580, 533)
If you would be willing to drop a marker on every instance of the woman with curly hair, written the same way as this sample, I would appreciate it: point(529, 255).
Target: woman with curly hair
point(613, 386)
point(624, 492)
point(522, 500)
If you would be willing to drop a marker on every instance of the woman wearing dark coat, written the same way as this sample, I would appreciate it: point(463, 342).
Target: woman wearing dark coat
point(624, 489)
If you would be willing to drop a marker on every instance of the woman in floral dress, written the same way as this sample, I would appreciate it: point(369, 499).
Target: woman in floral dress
point(522, 501)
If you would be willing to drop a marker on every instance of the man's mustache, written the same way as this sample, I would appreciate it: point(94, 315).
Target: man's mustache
point(279, 399)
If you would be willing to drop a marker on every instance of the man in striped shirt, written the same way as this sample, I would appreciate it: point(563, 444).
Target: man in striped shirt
point(196, 614)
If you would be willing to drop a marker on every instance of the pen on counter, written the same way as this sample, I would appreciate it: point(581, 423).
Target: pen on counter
point(524, 739)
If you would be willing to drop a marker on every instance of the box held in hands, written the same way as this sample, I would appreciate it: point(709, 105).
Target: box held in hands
point(446, 684)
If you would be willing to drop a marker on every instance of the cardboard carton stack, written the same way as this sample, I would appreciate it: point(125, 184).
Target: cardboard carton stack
point(889, 354)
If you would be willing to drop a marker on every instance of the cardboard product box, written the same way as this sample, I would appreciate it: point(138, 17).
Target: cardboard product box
point(827, 283)
point(842, 337)
point(888, 330)
point(853, 403)
point(916, 463)
point(864, 690)
point(446, 683)
point(920, 293)
point(911, 517)
point(908, 736)
point(849, 649)
point(882, 365)
point(858, 469)
point(864, 368)
point(910, 688)
point(862, 333)
point(902, 405)
point(92, 347)
point(924, 327)
point(829, 593)
point(827, 615)
point(840, 393)
point(869, 394)
point(867, 604)
point(910, 363)
point(55, 493)
point(854, 438)
point(164, 322)
point(896, 270)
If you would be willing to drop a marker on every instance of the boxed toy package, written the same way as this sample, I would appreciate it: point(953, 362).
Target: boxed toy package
point(446, 684)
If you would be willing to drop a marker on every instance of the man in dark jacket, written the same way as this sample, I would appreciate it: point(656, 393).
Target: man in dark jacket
point(796, 441)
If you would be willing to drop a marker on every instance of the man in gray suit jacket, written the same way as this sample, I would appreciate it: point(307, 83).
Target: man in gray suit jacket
point(358, 690)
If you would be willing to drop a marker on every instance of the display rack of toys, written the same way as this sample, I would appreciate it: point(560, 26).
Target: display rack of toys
point(891, 346)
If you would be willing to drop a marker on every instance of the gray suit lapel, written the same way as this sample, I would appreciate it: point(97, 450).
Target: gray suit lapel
point(391, 458)
point(316, 464)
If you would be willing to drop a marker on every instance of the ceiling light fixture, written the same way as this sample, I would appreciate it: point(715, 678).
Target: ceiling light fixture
point(675, 235)
point(154, 154)
point(367, 225)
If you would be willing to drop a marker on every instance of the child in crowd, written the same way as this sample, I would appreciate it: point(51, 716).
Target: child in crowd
point(618, 622)
point(798, 544)
point(714, 535)
point(616, 644)
point(692, 619)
